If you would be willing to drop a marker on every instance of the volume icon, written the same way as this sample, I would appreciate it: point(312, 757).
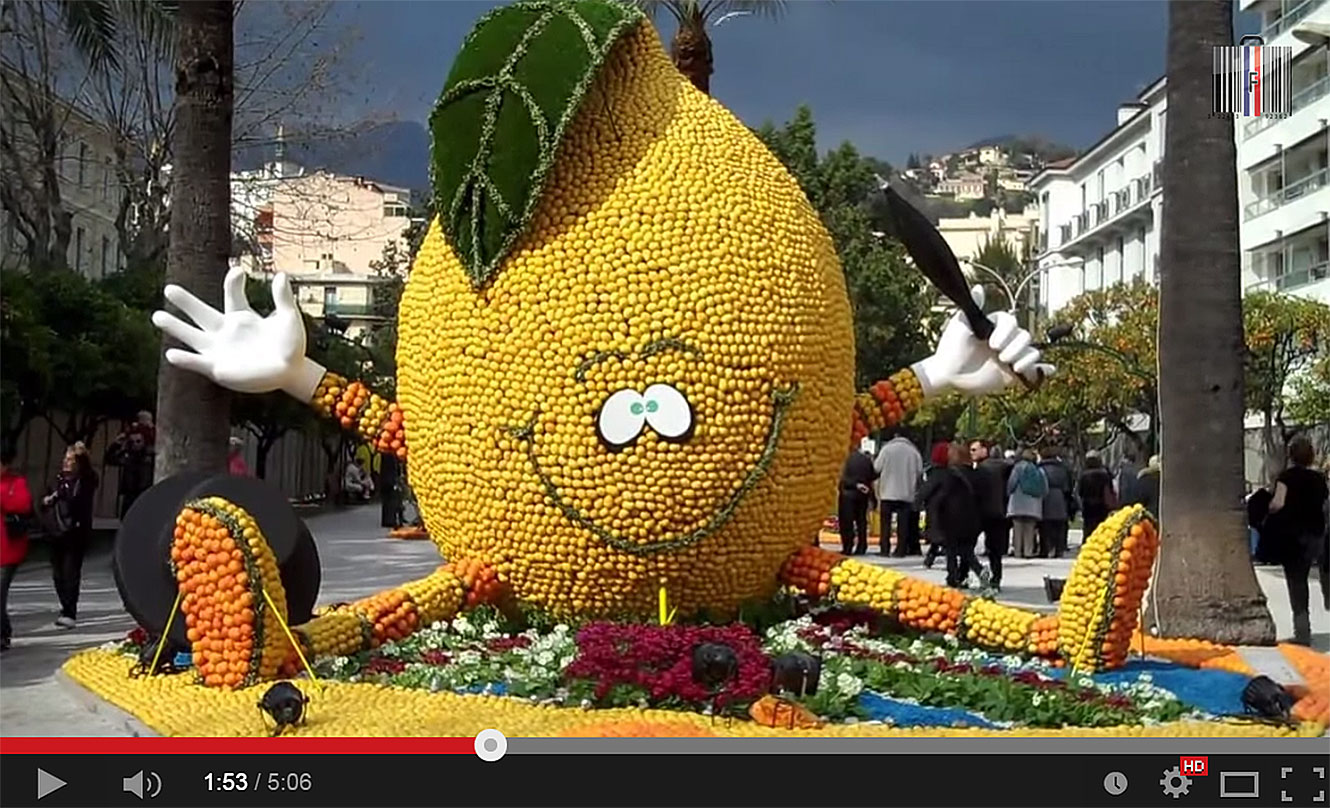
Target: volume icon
point(142, 783)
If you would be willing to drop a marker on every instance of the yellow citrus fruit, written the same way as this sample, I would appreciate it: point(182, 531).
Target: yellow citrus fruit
point(656, 385)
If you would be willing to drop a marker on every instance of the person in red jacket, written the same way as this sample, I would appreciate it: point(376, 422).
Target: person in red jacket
point(15, 501)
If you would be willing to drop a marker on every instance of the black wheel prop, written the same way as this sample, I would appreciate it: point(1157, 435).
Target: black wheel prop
point(139, 559)
point(142, 554)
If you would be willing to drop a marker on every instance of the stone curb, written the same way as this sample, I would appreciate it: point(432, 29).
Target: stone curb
point(104, 709)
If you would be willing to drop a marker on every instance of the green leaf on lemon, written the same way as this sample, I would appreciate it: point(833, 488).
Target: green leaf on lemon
point(519, 79)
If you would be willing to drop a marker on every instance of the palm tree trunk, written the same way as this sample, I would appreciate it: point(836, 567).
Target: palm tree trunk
point(1205, 586)
point(691, 51)
point(193, 415)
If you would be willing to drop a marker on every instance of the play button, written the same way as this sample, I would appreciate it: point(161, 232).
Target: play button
point(47, 782)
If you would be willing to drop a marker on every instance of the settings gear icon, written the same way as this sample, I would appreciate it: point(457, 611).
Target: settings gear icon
point(1175, 783)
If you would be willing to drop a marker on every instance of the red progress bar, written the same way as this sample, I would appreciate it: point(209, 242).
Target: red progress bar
point(294, 745)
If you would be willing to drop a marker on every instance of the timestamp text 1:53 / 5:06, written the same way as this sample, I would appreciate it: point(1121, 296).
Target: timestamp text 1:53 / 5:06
point(258, 781)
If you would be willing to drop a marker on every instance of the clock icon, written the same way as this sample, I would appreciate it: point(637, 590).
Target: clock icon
point(1115, 783)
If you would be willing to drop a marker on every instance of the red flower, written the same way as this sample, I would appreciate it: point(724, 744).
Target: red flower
point(138, 636)
point(658, 659)
point(436, 657)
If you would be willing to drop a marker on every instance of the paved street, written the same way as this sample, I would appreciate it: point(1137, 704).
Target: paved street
point(357, 559)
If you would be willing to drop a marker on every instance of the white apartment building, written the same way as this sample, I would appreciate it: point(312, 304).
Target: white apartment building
point(967, 235)
point(1283, 194)
point(966, 186)
point(1101, 211)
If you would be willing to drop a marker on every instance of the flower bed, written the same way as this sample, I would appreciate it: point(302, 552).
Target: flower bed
point(625, 679)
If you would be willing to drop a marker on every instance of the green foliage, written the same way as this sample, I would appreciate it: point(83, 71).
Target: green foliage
point(1286, 366)
point(891, 300)
point(1311, 395)
point(1106, 373)
point(71, 347)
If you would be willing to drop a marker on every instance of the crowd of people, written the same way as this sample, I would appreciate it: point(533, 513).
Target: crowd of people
point(1020, 503)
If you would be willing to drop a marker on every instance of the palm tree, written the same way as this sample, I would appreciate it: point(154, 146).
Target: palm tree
point(691, 46)
point(1205, 586)
point(193, 414)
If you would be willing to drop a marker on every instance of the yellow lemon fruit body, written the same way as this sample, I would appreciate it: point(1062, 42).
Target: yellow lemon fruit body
point(655, 388)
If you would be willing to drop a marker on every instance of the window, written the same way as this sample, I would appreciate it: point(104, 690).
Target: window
point(1121, 261)
point(1100, 185)
point(329, 299)
point(106, 254)
point(392, 209)
point(83, 164)
point(1084, 200)
point(78, 249)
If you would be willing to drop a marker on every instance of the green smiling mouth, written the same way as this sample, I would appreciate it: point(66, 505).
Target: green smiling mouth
point(781, 401)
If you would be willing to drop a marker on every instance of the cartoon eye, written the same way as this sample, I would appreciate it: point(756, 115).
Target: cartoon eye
point(668, 412)
point(621, 418)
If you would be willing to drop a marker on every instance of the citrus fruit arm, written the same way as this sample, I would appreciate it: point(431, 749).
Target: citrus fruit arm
point(918, 604)
point(373, 418)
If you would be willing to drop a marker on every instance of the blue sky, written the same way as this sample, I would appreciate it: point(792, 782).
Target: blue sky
point(891, 76)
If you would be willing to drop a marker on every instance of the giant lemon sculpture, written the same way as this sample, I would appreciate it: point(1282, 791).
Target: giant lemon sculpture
point(641, 391)
point(625, 354)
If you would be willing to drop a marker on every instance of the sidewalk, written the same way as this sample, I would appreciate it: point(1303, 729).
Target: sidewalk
point(357, 560)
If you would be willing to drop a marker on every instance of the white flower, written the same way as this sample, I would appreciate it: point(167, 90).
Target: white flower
point(848, 684)
point(1037, 699)
point(545, 658)
point(1145, 677)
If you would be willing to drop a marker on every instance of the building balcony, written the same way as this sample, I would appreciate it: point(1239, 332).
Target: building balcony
point(1301, 100)
point(1124, 205)
point(1291, 192)
point(1292, 17)
point(1156, 177)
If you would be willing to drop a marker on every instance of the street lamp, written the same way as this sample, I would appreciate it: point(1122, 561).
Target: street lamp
point(1013, 296)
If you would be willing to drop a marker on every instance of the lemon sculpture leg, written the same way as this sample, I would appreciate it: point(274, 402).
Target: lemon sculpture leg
point(1101, 602)
point(655, 381)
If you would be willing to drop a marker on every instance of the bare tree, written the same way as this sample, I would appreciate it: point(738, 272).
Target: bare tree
point(35, 73)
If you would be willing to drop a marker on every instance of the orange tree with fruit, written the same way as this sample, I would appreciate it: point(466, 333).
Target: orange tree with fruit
point(625, 366)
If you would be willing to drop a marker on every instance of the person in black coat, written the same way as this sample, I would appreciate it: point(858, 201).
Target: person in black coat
point(1297, 511)
point(950, 495)
point(70, 503)
point(1095, 488)
point(992, 472)
point(856, 491)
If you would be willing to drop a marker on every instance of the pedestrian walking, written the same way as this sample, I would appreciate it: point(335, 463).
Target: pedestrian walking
point(1026, 488)
point(937, 461)
point(1298, 510)
point(993, 471)
point(1147, 486)
point(899, 467)
point(951, 497)
point(856, 489)
point(1059, 505)
point(16, 509)
point(1095, 489)
point(70, 506)
point(1125, 481)
point(235, 458)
